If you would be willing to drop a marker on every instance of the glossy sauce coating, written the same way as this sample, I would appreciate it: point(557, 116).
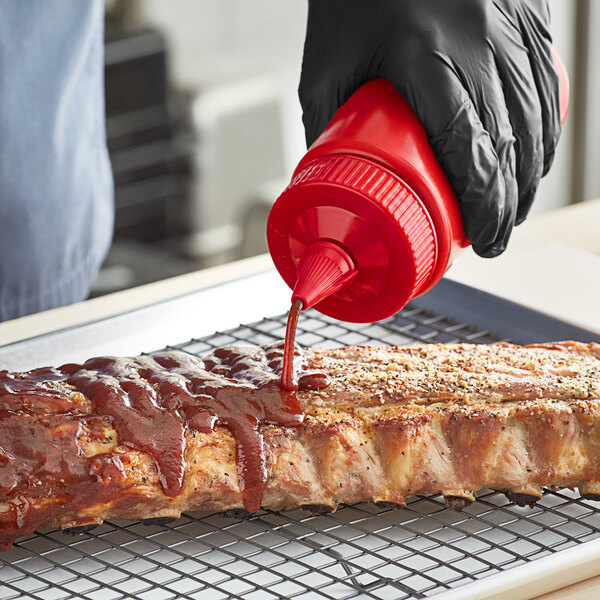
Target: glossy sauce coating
point(151, 401)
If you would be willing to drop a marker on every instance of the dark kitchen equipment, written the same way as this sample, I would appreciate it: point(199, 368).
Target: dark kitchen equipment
point(146, 135)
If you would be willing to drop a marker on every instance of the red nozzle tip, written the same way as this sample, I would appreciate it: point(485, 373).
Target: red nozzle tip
point(324, 269)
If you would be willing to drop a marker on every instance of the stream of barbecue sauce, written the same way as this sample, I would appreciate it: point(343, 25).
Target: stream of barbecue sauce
point(288, 381)
point(151, 401)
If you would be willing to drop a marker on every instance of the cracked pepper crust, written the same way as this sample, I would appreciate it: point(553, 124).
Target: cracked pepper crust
point(393, 423)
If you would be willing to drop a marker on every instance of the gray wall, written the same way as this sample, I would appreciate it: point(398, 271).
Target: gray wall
point(591, 154)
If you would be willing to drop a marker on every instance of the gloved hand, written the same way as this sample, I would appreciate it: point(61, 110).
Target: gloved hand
point(480, 76)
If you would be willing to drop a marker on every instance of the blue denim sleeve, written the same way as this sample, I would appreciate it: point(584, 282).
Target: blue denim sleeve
point(56, 189)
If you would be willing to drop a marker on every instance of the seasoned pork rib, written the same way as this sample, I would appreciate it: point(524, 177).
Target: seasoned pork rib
point(151, 437)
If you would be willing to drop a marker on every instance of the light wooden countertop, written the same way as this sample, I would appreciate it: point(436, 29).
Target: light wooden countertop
point(552, 265)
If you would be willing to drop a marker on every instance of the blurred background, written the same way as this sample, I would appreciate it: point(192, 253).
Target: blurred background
point(204, 126)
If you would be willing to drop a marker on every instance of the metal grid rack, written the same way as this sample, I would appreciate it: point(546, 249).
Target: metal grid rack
point(360, 551)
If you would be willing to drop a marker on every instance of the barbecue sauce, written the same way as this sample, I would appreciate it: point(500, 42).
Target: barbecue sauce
point(287, 371)
point(151, 401)
point(307, 380)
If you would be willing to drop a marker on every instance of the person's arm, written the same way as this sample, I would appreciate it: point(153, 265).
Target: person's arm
point(56, 189)
point(478, 73)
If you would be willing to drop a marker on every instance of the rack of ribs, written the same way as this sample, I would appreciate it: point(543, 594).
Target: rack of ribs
point(153, 436)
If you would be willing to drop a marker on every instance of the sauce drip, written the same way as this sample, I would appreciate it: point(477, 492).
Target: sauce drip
point(151, 401)
point(287, 372)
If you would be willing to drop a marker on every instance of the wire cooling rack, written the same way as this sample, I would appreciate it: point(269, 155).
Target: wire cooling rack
point(360, 551)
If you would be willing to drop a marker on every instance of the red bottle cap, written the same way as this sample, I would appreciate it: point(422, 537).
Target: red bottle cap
point(342, 214)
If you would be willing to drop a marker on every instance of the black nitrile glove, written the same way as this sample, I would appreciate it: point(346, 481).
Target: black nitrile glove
point(480, 76)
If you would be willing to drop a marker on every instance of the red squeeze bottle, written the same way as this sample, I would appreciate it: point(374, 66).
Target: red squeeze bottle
point(369, 220)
